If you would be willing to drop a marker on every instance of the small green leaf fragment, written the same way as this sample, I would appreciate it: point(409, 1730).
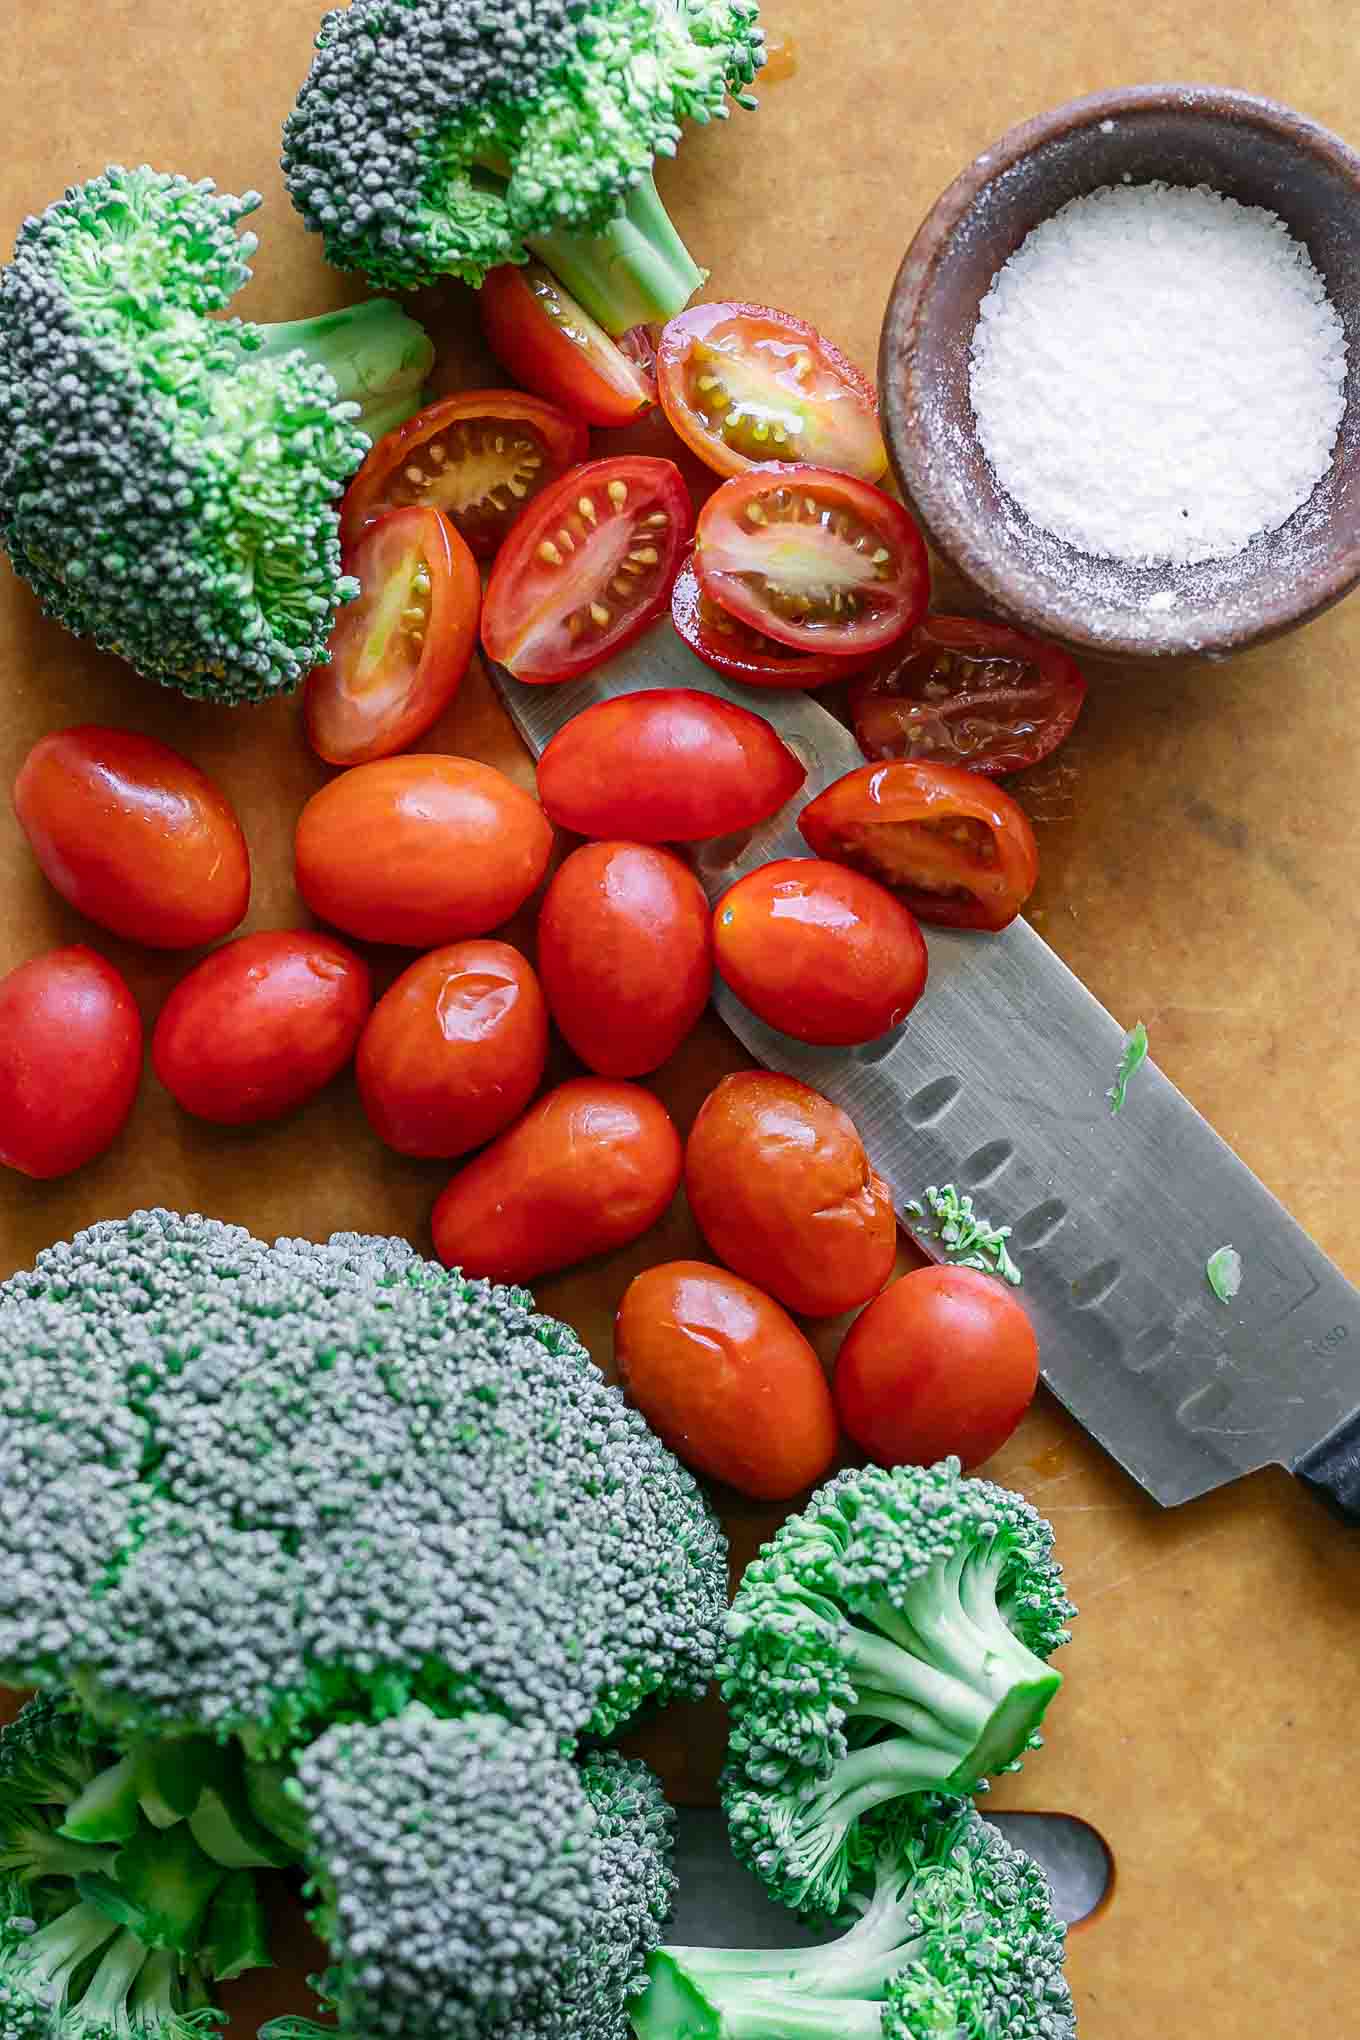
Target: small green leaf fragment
point(968, 1241)
point(1224, 1270)
point(1133, 1058)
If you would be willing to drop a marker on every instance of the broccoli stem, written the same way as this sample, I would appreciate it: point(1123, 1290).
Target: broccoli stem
point(103, 2002)
point(36, 1850)
point(50, 1959)
point(693, 1997)
point(637, 272)
point(378, 356)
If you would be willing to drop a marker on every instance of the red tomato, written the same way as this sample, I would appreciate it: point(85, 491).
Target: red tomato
point(958, 850)
point(726, 1379)
point(743, 384)
point(479, 457)
point(944, 1361)
point(588, 1168)
point(742, 653)
point(545, 340)
point(625, 949)
point(588, 568)
point(781, 1188)
point(134, 836)
point(819, 952)
point(963, 692)
point(818, 560)
point(399, 651)
point(420, 850)
point(454, 1051)
point(667, 765)
point(261, 1026)
point(70, 1061)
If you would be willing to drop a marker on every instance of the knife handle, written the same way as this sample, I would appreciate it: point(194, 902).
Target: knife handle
point(1332, 1469)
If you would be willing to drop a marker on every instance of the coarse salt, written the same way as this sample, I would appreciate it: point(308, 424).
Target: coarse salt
point(1157, 374)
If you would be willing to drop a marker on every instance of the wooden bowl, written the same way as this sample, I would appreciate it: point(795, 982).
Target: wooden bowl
point(1252, 150)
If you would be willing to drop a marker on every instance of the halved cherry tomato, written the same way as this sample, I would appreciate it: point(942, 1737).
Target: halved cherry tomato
point(962, 691)
point(542, 337)
point(588, 569)
point(818, 560)
point(400, 649)
point(70, 1061)
point(819, 951)
point(666, 765)
point(742, 653)
point(743, 383)
point(956, 849)
point(479, 457)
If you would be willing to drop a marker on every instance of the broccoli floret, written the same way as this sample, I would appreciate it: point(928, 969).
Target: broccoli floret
point(442, 137)
point(79, 1976)
point(953, 1935)
point(169, 481)
point(47, 1756)
point(889, 1640)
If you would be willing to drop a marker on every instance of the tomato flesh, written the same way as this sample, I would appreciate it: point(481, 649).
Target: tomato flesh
point(543, 338)
point(963, 691)
point(742, 653)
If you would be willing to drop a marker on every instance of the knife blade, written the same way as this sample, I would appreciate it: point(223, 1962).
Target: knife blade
point(997, 1082)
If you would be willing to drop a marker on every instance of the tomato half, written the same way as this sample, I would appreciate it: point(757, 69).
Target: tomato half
point(479, 457)
point(962, 691)
point(819, 560)
point(545, 340)
point(588, 568)
point(70, 1061)
point(819, 951)
point(742, 653)
point(742, 384)
point(666, 765)
point(956, 849)
point(399, 651)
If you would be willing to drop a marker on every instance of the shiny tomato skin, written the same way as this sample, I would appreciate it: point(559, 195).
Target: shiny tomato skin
point(963, 691)
point(944, 1361)
point(545, 340)
point(819, 952)
point(717, 363)
point(953, 847)
point(726, 1379)
point(782, 1189)
point(625, 951)
point(454, 1051)
point(741, 653)
point(588, 1168)
point(666, 765)
point(587, 568)
point(390, 679)
point(134, 836)
point(70, 1061)
point(261, 1026)
point(420, 850)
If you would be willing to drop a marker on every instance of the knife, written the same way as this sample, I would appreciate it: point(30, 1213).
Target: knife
point(1113, 1218)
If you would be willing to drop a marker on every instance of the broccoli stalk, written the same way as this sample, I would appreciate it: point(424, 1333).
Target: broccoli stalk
point(377, 357)
point(82, 1976)
point(635, 272)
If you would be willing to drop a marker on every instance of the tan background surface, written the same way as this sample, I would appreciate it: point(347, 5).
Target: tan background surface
point(1199, 872)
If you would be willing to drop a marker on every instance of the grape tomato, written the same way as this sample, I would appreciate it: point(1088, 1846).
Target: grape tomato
point(741, 653)
point(546, 340)
point(965, 691)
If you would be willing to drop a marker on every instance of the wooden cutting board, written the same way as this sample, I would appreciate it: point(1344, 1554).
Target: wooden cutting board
point(1200, 857)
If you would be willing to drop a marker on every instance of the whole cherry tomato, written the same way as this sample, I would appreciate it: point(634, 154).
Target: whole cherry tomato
point(134, 836)
point(726, 1379)
point(545, 340)
point(954, 847)
point(944, 1361)
point(261, 1026)
point(591, 1166)
point(420, 850)
point(742, 653)
point(781, 1188)
point(819, 951)
point(454, 1051)
point(625, 949)
point(667, 765)
point(70, 1061)
point(961, 691)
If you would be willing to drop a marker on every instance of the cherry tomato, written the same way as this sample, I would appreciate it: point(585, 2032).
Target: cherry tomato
point(742, 384)
point(961, 691)
point(479, 457)
point(399, 651)
point(667, 765)
point(134, 836)
point(819, 952)
point(956, 849)
point(545, 340)
point(420, 850)
point(818, 560)
point(781, 1188)
point(742, 653)
point(588, 1168)
point(588, 569)
point(944, 1361)
point(261, 1026)
point(70, 1061)
point(625, 949)
point(726, 1379)
point(454, 1051)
